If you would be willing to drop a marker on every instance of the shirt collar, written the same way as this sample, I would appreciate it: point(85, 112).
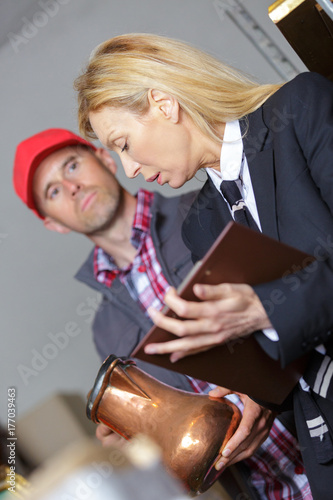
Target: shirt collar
point(142, 216)
point(231, 155)
point(141, 226)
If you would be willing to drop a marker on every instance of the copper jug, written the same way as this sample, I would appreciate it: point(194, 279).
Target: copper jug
point(189, 428)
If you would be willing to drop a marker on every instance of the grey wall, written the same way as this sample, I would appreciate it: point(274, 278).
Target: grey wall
point(44, 44)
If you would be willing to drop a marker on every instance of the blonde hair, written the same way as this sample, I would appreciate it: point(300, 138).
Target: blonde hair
point(121, 71)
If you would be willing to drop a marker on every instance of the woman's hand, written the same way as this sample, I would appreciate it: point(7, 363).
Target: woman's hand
point(226, 312)
point(252, 431)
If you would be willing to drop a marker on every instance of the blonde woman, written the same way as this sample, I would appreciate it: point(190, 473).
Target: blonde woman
point(169, 110)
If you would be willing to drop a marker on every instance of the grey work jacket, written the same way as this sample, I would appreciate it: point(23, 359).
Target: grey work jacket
point(120, 323)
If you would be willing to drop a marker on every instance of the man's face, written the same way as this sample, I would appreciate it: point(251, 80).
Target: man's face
point(76, 190)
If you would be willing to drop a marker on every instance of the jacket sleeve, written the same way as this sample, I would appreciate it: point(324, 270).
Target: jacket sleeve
point(303, 311)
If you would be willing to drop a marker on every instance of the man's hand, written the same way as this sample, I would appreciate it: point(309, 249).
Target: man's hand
point(109, 438)
point(227, 312)
point(252, 431)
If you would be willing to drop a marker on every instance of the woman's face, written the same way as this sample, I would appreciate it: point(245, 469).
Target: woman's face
point(162, 145)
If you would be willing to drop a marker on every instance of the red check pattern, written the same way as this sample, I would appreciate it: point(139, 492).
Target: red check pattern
point(143, 278)
point(276, 469)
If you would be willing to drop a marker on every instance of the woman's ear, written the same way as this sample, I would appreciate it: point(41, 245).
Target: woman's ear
point(164, 104)
point(53, 225)
point(104, 156)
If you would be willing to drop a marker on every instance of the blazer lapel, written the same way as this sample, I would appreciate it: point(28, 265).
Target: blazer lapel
point(206, 219)
point(261, 166)
point(217, 214)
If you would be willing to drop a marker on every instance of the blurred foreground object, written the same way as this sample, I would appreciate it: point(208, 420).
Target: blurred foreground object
point(309, 30)
point(15, 485)
point(36, 440)
point(189, 428)
point(88, 471)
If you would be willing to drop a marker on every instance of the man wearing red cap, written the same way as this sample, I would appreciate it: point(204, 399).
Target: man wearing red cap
point(70, 184)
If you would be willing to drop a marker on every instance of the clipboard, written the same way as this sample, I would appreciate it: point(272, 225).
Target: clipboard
point(239, 255)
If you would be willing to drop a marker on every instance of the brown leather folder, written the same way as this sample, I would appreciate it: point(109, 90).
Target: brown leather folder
point(239, 255)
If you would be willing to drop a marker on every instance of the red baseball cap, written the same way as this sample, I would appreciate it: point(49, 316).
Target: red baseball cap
point(32, 151)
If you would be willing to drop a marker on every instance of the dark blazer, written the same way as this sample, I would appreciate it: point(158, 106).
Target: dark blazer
point(289, 149)
point(288, 144)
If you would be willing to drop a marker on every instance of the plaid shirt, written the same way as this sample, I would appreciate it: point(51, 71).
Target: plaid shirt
point(276, 469)
point(143, 278)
